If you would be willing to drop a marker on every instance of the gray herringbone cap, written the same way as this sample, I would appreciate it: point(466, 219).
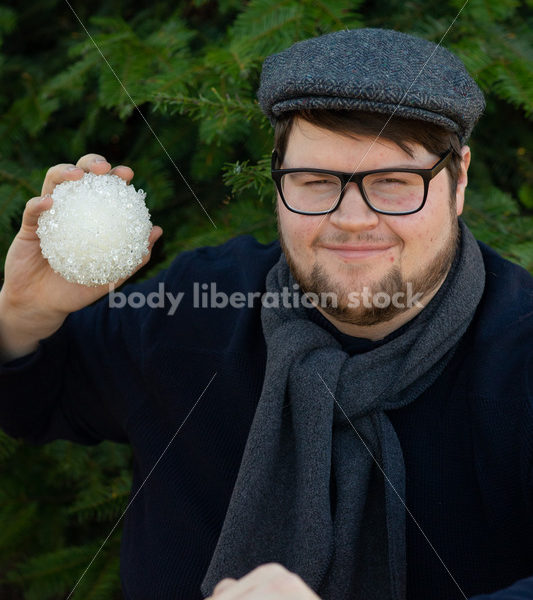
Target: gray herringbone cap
point(376, 70)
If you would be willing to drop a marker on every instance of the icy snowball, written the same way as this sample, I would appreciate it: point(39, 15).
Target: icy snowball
point(96, 231)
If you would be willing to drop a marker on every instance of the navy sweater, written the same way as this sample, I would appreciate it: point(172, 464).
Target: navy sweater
point(134, 374)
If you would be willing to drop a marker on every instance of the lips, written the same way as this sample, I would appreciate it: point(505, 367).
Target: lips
point(358, 251)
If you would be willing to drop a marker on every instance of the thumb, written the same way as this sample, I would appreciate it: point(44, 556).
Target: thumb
point(34, 208)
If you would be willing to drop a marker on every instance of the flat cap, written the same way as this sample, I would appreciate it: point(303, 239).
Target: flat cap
point(376, 70)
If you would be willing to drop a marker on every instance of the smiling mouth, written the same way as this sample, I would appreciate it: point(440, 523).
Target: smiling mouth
point(358, 252)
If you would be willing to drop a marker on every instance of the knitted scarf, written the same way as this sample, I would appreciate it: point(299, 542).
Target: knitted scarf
point(321, 483)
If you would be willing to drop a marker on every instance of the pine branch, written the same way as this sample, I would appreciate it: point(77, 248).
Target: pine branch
point(219, 106)
point(100, 506)
point(241, 177)
point(8, 446)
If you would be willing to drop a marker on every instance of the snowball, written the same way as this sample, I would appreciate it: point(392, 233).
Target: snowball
point(96, 231)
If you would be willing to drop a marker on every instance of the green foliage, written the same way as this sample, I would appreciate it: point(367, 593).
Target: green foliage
point(169, 88)
point(58, 504)
point(51, 575)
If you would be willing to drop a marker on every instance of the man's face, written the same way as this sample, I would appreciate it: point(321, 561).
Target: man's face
point(382, 253)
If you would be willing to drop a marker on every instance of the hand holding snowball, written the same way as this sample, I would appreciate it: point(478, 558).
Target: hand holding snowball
point(96, 231)
point(34, 300)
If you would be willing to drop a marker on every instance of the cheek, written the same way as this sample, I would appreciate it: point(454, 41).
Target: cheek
point(299, 231)
point(425, 233)
point(420, 234)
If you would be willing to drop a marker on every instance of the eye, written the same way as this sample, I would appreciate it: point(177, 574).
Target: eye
point(391, 181)
point(311, 182)
point(311, 179)
point(319, 182)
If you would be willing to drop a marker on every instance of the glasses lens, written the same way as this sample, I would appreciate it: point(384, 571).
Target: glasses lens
point(310, 192)
point(394, 191)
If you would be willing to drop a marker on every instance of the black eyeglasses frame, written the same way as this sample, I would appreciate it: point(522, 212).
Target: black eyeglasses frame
point(345, 178)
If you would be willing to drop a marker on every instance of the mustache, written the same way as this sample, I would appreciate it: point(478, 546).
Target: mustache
point(363, 237)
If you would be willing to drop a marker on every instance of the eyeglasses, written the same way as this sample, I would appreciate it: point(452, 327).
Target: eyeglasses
point(386, 191)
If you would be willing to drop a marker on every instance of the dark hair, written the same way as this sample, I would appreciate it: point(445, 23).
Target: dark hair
point(400, 131)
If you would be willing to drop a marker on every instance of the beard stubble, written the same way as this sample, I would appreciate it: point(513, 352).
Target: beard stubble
point(318, 281)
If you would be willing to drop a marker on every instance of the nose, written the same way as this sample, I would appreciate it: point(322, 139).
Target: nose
point(353, 213)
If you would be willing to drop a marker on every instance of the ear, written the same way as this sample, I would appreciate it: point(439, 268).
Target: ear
point(462, 179)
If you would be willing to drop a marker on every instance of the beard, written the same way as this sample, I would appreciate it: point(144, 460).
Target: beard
point(319, 282)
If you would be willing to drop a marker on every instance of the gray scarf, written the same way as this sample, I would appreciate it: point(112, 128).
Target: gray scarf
point(309, 493)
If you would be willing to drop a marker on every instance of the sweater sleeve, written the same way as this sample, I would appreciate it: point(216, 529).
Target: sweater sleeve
point(521, 590)
point(77, 384)
point(85, 382)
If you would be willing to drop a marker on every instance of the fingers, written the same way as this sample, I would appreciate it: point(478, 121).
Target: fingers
point(155, 234)
point(34, 207)
point(95, 163)
point(90, 163)
point(59, 173)
point(124, 172)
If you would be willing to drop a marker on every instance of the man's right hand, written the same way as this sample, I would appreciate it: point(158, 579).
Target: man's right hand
point(34, 300)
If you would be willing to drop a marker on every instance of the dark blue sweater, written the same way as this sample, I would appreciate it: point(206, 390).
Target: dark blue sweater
point(133, 375)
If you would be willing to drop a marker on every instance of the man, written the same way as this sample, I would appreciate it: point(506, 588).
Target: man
point(357, 396)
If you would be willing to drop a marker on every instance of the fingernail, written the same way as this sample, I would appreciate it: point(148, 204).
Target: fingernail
point(72, 168)
point(100, 160)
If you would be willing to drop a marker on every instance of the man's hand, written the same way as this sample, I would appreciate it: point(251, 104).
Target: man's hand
point(270, 581)
point(34, 300)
